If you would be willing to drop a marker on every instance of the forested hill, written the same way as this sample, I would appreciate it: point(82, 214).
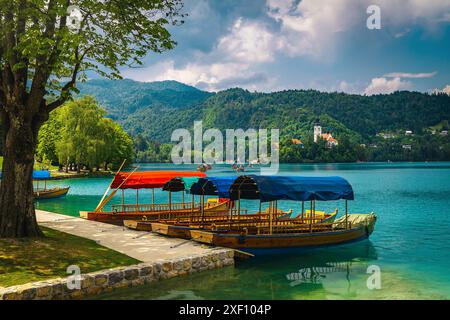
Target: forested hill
point(154, 110)
point(366, 115)
point(125, 97)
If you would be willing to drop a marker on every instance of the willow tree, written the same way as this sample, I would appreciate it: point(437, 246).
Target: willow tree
point(46, 46)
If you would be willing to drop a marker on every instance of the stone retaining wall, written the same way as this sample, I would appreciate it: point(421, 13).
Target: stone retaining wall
point(108, 280)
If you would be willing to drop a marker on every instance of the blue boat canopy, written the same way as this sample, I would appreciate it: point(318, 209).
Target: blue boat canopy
point(41, 174)
point(296, 188)
point(38, 174)
point(213, 186)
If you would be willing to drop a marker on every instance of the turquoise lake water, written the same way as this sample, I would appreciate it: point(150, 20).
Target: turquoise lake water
point(410, 244)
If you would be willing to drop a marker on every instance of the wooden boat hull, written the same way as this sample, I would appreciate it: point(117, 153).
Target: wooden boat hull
point(119, 217)
point(138, 225)
point(51, 193)
point(182, 232)
point(160, 228)
point(237, 241)
point(251, 243)
point(180, 227)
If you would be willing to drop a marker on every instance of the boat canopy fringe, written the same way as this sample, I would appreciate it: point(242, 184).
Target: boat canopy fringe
point(296, 188)
point(213, 186)
point(149, 179)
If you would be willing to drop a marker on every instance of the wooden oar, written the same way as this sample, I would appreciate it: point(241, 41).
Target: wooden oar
point(101, 205)
point(109, 187)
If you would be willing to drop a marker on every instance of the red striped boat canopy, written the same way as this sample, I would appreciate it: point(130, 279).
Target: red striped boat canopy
point(149, 179)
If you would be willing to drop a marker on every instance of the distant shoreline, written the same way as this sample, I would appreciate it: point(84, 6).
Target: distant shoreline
point(350, 162)
point(100, 174)
point(56, 175)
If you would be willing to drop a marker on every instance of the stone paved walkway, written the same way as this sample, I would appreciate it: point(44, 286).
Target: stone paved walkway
point(144, 246)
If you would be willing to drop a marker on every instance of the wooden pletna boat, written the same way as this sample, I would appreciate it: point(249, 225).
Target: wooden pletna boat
point(52, 193)
point(46, 193)
point(299, 232)
point(180, 226)
point(171, 181)
point(235, 220)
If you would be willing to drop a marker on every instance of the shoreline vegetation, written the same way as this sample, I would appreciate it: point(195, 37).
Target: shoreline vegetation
point(87, 138)
point(79, 138)
point(57, 174)
point(91, 135)
point(401, 126)
point(35, 259)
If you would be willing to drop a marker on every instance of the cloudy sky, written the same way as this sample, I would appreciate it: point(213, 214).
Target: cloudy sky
point(271, 45)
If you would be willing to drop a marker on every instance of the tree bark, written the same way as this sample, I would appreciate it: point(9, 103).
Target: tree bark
point(17, 214)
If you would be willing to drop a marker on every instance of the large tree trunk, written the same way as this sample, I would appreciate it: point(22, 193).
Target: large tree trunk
point(17, 215)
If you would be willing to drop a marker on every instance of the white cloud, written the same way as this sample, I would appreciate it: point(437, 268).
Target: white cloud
point(231, 63)
point(248, 41)
point(203, 75)
point(312, 27)
point(385, 86)
point(410, 75)
point(352, 88)
point(392, 82)
point(446, 90)
point(296, 28)
point(400, 12)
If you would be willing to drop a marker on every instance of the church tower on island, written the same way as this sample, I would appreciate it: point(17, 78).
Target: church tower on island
point(328, 137)
point(317, 130)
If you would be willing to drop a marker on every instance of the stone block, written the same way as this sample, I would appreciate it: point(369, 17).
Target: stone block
point(146, 270)
point(167, 266)
point(87, 281)
point(43, 291)
point(131, 273)
point(187, 264)
point(101, 279)
point(115, 277)
point(178, 265)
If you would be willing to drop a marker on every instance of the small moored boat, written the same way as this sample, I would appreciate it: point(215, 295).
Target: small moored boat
point(51, 193)
point(291, 233)
point(46, 193)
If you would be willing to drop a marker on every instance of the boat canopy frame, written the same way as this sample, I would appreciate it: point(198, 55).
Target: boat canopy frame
point(143, 180)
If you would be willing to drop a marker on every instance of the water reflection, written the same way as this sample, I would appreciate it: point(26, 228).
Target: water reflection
point(315, 275)
point(180, 295)
point(270, 277)
point(414, 260)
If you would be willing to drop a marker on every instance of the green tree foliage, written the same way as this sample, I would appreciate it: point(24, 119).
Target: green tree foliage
point(150, 151)
point(126, 97)
point(158, 114)
point(44, 52)
point(79, 133)
point(427, 147)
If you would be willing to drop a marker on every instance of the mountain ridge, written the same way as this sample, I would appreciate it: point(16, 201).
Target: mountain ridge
point(122, 98)
point(155, 109)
